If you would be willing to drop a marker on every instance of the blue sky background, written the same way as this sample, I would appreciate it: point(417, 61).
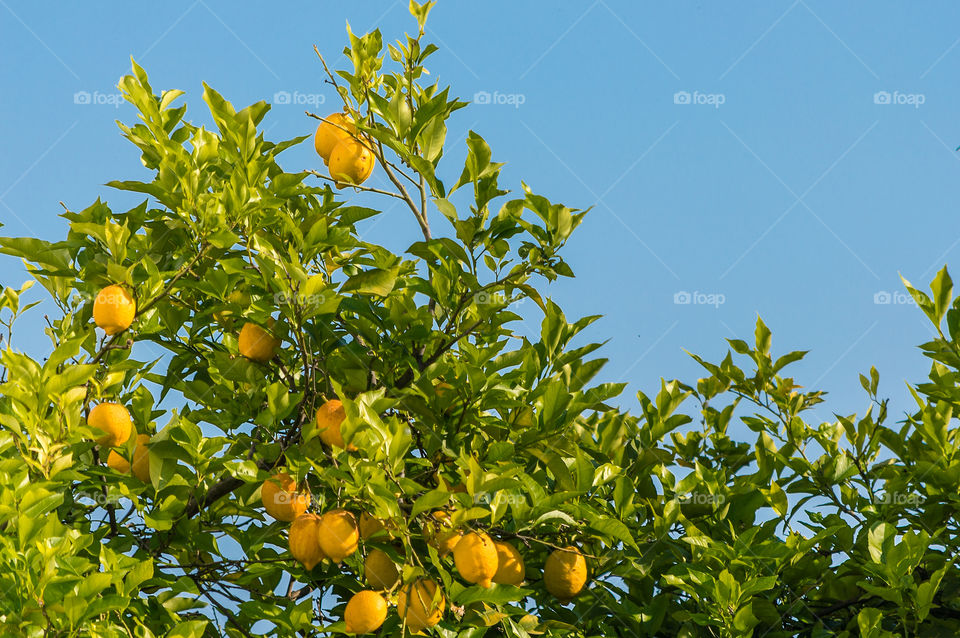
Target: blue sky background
point(799, 197)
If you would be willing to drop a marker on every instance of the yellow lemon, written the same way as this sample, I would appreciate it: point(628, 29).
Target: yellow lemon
point(330, 418)
point(380, 571)
point(338, 534)
point(438, 532)
point(365, 612)
point(351, 161)
point(304, 541)
point(421, 604)
point(565, 573)
point(114, 309)
point(334, 128)
point(281, 498)
point(114, 421)
point(117, 462)
point(510, 567)
point(141, 458)
point(256, 343)
point(476, 558)
point(370, 525)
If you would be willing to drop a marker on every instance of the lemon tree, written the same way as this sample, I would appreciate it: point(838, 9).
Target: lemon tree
point(251, 421)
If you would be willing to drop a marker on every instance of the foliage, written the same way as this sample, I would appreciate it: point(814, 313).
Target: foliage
point(839, 528)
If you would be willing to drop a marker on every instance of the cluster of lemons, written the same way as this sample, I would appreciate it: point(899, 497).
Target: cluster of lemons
point(114, 310)
point(336, 534)
point(347, 155)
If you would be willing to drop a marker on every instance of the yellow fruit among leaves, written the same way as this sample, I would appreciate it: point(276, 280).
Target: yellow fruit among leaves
point(114, 421)
point(281, 498)
point(256, 343)
point(304, 540)
point(439, 533)
point(114, 309)
point(117, 462)
point(141, 458)
point(365, 612)
point(351, 161)
point(380, 570)
point(565, 573)
point(476, 558)
point(338, 534)
point(370, 525)
point(510, 567)
point(421, 604)
point(330, 418)
point(334, 128)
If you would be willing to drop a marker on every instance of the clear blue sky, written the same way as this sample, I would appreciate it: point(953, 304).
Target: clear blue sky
point(783, 188)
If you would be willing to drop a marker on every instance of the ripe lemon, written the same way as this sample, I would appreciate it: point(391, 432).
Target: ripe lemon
point(257, 344)
point(281, 498)
point(338, 534)
point(438, 533)
point(114, 309)
point(421, 604)
point(510, 567)
point(351, 161)
point(380, 571)
point(114, 421)
point(141, 458)
point(365, 612)
point(117, 462)
point(330, 417)
point(476, 558)
point(565, 573)
point(333, 129)
point(304, 541)
point(370, 525)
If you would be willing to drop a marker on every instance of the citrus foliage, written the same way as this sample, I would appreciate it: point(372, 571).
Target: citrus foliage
point(277, 361)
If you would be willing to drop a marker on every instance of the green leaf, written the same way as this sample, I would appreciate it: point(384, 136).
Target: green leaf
point(376, 281)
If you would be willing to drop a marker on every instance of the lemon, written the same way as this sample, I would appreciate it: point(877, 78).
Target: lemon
point(114, 309)
point(334, 128)
point(257, 344)
point(281, 498)
point(351, 161)
point(565, 573)
point(510, 567)
point(421, 604)
point(114, 421)
point(365, 612)
point(330, 418)
point(379, 570)
point(370, 525)
point(439, 533)
point(304, 541)
point(141, 458)
point(338, 534)
point(117, 462)
point(476, 558)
